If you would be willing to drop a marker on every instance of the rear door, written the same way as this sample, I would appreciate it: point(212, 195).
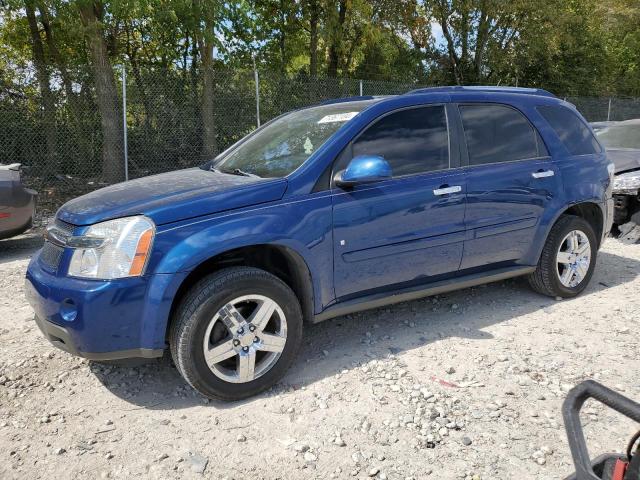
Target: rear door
point(409, 228)
point(510, 181)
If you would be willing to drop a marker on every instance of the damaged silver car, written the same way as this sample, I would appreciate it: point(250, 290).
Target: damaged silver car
point(622, 141)
point(17, 203)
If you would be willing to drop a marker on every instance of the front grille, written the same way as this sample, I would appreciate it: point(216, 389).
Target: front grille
point(50, 256)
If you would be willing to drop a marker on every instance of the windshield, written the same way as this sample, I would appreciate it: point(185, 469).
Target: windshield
point(285, 144)
point(620, 136)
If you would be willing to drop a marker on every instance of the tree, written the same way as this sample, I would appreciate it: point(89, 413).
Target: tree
point(204, 20)
point(312, 10)
point(621, 33)
point(336, 33)
point(474, 29)
point(91, 14)
point(190, 61)
point(44, 81)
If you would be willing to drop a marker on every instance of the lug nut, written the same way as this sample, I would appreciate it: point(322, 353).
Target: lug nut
point(252, 328)
point(236, 343)
point(245, 349)
point(256, 340)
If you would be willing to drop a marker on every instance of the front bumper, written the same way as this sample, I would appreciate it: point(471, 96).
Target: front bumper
point(61, 338)
point(101, 320)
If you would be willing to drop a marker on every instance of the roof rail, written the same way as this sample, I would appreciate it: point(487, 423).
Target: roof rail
point(479, 88)
point(347, 99)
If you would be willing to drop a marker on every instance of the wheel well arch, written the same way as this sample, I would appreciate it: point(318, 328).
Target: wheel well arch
point(592, 213)
point(281, 261)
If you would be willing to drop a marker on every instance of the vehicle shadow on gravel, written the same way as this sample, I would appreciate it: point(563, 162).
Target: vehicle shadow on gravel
point(345, 342)
point(17, 248)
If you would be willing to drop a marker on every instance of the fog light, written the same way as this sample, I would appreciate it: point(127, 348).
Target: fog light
point(68, 310)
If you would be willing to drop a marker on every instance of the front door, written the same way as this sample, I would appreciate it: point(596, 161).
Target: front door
point(410, 228)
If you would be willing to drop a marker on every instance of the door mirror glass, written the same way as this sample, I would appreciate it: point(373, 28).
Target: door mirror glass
point(364, 169)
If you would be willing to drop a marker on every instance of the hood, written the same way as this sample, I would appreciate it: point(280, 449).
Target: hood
point(11, 166)
point(173, 196)
point(624, 159)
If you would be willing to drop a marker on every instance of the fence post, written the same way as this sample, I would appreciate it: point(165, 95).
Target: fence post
point(609, 110)
point(361, 88)
point(124, 121)
point(256, 79)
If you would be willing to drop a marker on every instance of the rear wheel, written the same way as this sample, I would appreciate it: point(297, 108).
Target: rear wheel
point(236, 333)
point(568, 259)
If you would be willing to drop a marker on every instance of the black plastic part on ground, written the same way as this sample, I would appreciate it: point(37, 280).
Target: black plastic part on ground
point(602, 467)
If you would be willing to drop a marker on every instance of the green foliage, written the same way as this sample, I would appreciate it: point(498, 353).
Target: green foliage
point(575, 46)
point(190, 64)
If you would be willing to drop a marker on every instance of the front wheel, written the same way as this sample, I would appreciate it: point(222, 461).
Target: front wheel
point(236, 333)
point(567, 260)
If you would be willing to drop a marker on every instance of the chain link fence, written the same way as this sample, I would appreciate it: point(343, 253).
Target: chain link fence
point(165, 119)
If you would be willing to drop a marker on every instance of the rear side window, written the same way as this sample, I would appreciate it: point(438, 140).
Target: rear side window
point(412, 141)
point(497, 133)
point(572, 131)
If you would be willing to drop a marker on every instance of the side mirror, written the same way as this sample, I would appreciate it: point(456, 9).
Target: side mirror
point(363, 169)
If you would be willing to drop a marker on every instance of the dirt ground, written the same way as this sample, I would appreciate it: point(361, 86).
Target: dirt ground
point(467, 385)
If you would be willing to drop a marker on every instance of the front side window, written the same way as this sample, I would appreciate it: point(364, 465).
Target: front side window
point(282, 146)
point(572, 131)
point(497, 133)
point(412, 141)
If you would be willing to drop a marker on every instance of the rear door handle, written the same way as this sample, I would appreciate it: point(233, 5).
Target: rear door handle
point(447, 190)
point(543, 174)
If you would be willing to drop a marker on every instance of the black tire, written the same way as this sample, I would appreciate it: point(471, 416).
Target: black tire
point(545, 279)
point(200, 305)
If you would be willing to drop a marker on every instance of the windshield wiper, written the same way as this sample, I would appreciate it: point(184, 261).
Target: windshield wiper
point(237, 171)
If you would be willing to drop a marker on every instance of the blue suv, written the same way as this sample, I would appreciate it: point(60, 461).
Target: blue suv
point(327, 210)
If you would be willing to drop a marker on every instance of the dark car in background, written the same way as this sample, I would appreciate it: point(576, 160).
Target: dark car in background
point(17, 203)
point(622, 142)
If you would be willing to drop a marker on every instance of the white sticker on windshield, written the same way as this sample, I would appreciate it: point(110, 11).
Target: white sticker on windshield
point(338, 117)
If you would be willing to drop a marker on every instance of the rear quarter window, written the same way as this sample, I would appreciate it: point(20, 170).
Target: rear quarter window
point(572, 131)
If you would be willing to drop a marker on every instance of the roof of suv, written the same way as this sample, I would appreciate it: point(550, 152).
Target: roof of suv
point(483, 89)
point(456, 91)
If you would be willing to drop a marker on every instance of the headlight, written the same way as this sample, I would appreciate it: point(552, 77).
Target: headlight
point(113, 249)
point(627, 183)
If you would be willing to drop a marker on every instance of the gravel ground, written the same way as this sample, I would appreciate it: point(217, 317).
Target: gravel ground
point(466, 385)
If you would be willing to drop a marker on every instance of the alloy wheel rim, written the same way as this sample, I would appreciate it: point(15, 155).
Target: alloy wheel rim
point(573, 258)
point(245, 338)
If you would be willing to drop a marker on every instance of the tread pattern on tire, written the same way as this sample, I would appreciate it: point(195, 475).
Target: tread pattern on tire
point(541, 279)
point(181, 325)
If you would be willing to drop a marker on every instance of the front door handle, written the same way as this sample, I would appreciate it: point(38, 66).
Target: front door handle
point(543, 174)
point(447, 190)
